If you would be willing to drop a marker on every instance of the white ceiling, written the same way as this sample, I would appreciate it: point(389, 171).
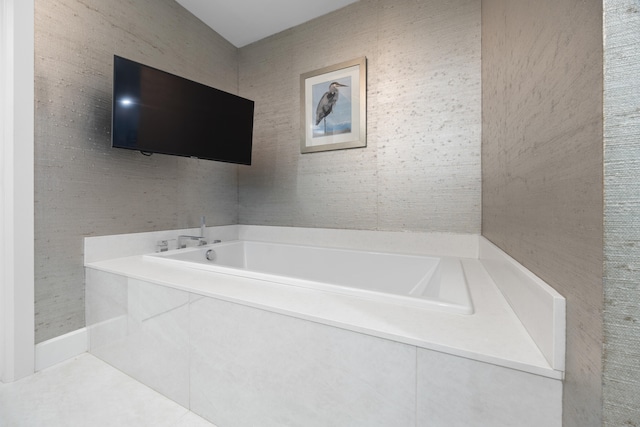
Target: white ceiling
point(242, 22)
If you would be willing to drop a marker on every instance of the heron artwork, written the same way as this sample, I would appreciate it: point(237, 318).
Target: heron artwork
point(328, 100)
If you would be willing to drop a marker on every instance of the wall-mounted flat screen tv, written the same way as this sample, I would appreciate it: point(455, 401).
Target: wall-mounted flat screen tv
point(158, 112)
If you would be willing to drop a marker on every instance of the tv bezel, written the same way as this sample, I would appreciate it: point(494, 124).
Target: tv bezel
point(245, 160)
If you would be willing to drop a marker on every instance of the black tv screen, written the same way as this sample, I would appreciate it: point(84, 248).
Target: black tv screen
point(158, 112)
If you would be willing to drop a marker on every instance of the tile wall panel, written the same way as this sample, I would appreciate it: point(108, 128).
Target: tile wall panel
point(458, 392)
point(141, 329)
point(274, 370)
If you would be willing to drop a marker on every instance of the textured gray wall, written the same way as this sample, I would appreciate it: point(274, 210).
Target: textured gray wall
point(420, 170)
point(82, 186)
point(542, 166)
point(621, 379)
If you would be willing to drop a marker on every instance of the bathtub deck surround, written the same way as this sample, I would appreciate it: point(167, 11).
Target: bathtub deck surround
point(102, 248)
point(193, 335)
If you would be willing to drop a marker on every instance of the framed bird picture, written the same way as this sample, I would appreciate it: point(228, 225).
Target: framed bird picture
point(333, 113)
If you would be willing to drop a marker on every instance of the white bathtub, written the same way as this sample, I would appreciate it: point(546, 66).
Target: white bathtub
point(418, 281)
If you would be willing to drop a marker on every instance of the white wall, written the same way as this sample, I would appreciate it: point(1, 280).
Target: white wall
point(16, 197)
point(2, 190)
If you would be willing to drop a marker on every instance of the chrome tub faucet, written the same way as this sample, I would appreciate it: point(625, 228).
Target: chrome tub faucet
point(182, 241)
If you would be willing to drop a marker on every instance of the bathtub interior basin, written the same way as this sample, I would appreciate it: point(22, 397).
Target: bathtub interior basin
point(425, 282)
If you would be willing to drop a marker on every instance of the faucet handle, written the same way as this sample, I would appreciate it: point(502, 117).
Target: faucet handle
point(162, 246)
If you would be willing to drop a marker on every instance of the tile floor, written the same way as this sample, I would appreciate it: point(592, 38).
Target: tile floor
point(85, 391)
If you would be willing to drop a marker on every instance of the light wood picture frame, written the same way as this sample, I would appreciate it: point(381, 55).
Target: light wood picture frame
point(334, 107)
